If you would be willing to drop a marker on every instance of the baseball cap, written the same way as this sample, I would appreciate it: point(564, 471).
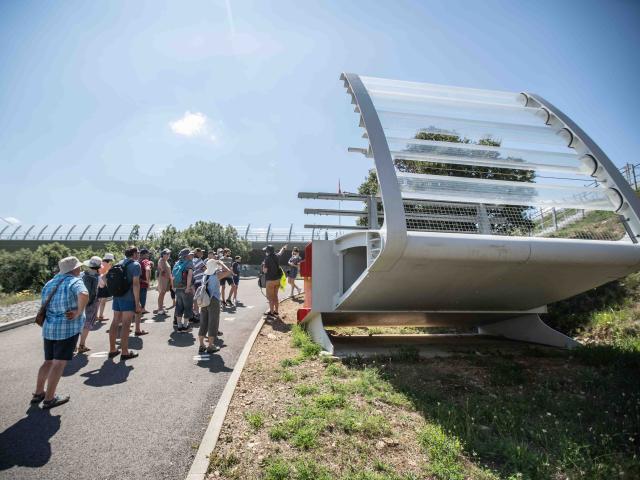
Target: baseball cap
point(143, 251)
point(108, 256)
point(93, 262)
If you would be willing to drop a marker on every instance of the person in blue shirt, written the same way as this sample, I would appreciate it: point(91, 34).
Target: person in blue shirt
point(126, 306)
point(210, 315)
point(66, 297)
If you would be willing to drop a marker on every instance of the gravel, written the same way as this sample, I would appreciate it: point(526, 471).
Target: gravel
point(19, 310)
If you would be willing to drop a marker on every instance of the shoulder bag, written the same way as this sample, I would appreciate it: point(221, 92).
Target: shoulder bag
point(42, 313)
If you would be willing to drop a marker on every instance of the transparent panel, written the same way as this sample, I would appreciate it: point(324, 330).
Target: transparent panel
point(442, 91)
point(490, 156)
point(450, 108)
point(440, 187)
point(510, 136)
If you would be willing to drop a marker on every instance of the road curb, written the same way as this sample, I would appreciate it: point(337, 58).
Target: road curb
point(200, 463)
point(17, 323)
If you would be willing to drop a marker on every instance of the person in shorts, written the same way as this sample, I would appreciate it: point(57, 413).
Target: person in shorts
point(228, 261)
point(164, 279)
point(292, 274)
point(183, 283)
point(103, 291)
point(235, 269)
point(272, 273)
point(146, 267)
point(91, 279)
point(126, 306)
point(64, 319)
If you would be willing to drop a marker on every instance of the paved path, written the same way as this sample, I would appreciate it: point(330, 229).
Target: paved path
point(139, 419)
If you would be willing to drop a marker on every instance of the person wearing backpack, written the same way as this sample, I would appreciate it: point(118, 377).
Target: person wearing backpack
point(123, 282)
point(273, 274)
point(182, 275)
point(91, 279)
point(208, 296)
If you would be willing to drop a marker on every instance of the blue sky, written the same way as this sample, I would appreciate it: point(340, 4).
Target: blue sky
point(171, 112)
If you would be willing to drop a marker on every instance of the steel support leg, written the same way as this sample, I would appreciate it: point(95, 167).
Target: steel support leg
point(528, 328)
point(315, 329)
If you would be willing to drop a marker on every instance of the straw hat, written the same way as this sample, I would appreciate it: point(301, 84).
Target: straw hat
point(68, 264)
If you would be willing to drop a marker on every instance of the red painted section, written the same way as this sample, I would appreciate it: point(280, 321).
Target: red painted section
point(305, 265)
point(305, 272)
point(302, 313)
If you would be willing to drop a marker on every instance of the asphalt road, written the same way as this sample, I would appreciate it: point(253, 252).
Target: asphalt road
point(139, 419)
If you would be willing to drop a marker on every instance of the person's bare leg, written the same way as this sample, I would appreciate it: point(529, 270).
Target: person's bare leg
point(43, 373)
point(55, 372)
point(137, 317)
point(113, 330)
point(84, 335)
point(103, 302)
point(127, 317)
point(161, 295)
point(275, 298)
point(222, 285)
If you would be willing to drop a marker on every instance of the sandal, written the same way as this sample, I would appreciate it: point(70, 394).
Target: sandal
point(37, 398)
point(129, 356)
point(202, 349)
point(140, 333)
point(213, 349)
point(114, 354)
point(83, 348)
point(55, 401)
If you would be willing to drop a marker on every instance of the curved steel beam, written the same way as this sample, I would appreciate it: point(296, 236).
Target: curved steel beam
point(146, 237)
point(85, 231)
point(27, 232)
point(606, 172)
point(69, 233)
point(394, 227)
point(115, 231)
point(14, 232)
point(100, 231)
point(41, 232)
point(55, 231)
point(2, 231)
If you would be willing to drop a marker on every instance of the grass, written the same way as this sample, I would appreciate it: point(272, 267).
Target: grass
point(538, 415)
point(7, 299)
point(255, 419)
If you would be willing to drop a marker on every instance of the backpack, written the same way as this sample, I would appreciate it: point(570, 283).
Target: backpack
point(201, 296)
point(178, 273)
point(91, 282)
point(116, 279)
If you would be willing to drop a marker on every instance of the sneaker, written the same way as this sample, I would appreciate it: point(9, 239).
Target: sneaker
point(37, 398)
point(175, 321)
point(202, 349)
point(213, 349)
point(162, 312)
point(55, 401)
point(219, 333)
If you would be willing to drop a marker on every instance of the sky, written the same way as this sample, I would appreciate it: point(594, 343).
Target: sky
point(223, 110)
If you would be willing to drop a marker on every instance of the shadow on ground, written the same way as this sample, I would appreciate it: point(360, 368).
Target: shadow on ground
point(542, 414)
point(26, 442)
point(112, 372)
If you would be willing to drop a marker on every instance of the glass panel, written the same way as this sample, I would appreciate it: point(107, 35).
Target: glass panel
point(485, 155)
point(497, 192)
point(454, 108)
point(510, 136)
point(443, 91)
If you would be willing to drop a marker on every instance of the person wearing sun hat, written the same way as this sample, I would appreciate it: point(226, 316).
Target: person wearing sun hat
point(66, 298)
point(91, 279)
point(210, 315)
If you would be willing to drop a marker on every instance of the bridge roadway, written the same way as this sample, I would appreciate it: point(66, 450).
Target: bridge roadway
point(138, 419)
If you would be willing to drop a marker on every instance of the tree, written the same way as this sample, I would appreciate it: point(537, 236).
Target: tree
point(512, 218)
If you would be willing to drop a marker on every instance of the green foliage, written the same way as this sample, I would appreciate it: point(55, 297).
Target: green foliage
point(301, 339)
point(277, 469)
point(444, 452)
point(255, 420)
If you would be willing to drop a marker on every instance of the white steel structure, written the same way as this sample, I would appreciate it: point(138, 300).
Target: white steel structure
point(466, 250)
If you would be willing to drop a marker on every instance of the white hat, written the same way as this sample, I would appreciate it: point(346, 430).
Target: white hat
point(93, 262)
point(68, 264)
point(212, 267)
point(108, 256)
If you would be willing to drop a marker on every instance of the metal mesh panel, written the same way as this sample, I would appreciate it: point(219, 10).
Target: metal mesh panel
point(512, 220)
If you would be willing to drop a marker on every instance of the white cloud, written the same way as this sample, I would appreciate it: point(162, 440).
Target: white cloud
point(193, 125)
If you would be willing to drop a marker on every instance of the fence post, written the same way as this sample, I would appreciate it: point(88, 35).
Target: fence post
point(635, 179)
point(555, 218)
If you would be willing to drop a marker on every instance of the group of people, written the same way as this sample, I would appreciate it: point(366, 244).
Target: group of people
point(73, 300)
